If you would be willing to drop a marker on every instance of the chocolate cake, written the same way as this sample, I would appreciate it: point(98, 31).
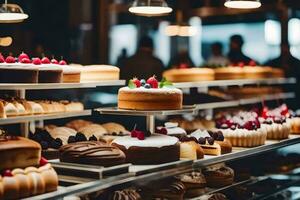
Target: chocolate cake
point(92, 152)
point(18, 73)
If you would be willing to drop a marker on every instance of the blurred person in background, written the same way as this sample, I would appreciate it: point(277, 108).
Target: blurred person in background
point(217, 58)
point(143, 64)
point(181, 60)
point(122, 57)
point(236, 54)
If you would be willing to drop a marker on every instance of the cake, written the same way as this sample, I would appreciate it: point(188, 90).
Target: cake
point(18, 73)
point(50, 74)
point(295, 125)
point(218, 175)
point(277, 128)
point(190, 149)
point(189, 75)
point(152, 95)
point(155, 149)
point(94, 73)
point(277, 73)
point(171, 129)
point(257, 72)
point(93, 153)
point(225, 73)
point(18, 152)
point(212, 142)
point(71, 74)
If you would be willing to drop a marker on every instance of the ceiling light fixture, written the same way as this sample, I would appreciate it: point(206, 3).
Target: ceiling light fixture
point(150, 8)
point(242, 4)
point(11, 13)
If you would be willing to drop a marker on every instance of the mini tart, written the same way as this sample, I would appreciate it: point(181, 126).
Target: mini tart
point(150, 99)
point(218, 176)
point(155, 149)
point(245, 138)
point(225, 73)
point(191, 150)
point(189, 75)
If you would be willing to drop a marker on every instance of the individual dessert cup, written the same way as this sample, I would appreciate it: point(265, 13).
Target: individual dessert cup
point(189, 75)
point(150, 95)
point(218, 175)
point(142, 149)
point(171, 129)
point(93, 153)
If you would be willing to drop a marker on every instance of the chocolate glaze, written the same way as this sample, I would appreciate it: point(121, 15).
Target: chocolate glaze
point(92, 152)
point(127, 194)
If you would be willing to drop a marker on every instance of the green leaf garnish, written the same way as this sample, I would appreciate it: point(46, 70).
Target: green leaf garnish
point(131, 84)
point(165, 83)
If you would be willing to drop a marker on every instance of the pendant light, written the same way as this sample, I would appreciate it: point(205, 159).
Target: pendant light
point(150, 8)
point(11, 13)
point(242, 4)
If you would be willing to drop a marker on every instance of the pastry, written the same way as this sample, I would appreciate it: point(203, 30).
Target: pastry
point(92, 152)
point(114, 131)
point(190, 149)
point(212, 142)
point(10, 109)
point(243, 130)
point(49, 176)
point(38, 183)
point(18, 152)
point(94, 73)
point(174, 190)
point(94, 129)
point(10, 188)
point(78, 124)
point(24, 182)
point(194, 179)
point(35, 108)
point(155, 149)
point(171, 129)
point(63, 133)
point(127, 194)
point(189, 75)
point(72, 106)
point(149, 96)
point(218, 175)
point(215, 196)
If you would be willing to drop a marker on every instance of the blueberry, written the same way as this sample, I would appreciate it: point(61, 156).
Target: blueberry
point(55, 145)
point(143, 82)
point(202, 140)
point(184, 139)
point(147, 133)
point(147, 86)
point(80, 137)
point(193, 139)
point(44, 145)
point(210, 141)
point(71, 139)
point(220, 137)
point(59, 142)
point(210, 132)
point(93, 138)
point(214, 135)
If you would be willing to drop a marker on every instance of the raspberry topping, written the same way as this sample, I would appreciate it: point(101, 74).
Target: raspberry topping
point(45, 60)
point(10, 59)
point(54, 61)
point(25, 60)
point(22, 56)
point(153, 82)
point(36, 61)
point(7, 173)
point(137, 82)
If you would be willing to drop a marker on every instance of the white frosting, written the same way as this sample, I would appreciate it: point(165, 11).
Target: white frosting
point(176, 131)
point(67, 69)
point(155, 140)
point(91, 68)
point(164, 90)
point(48, 67)
point(199, 133)
point(241, 133)
point(171, 124)
point(18, 66)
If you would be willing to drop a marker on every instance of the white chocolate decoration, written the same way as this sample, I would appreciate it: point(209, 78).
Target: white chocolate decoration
point(198, 134)
point(155, 140)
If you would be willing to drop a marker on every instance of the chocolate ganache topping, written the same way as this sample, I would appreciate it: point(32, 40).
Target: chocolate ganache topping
point(92, 152)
